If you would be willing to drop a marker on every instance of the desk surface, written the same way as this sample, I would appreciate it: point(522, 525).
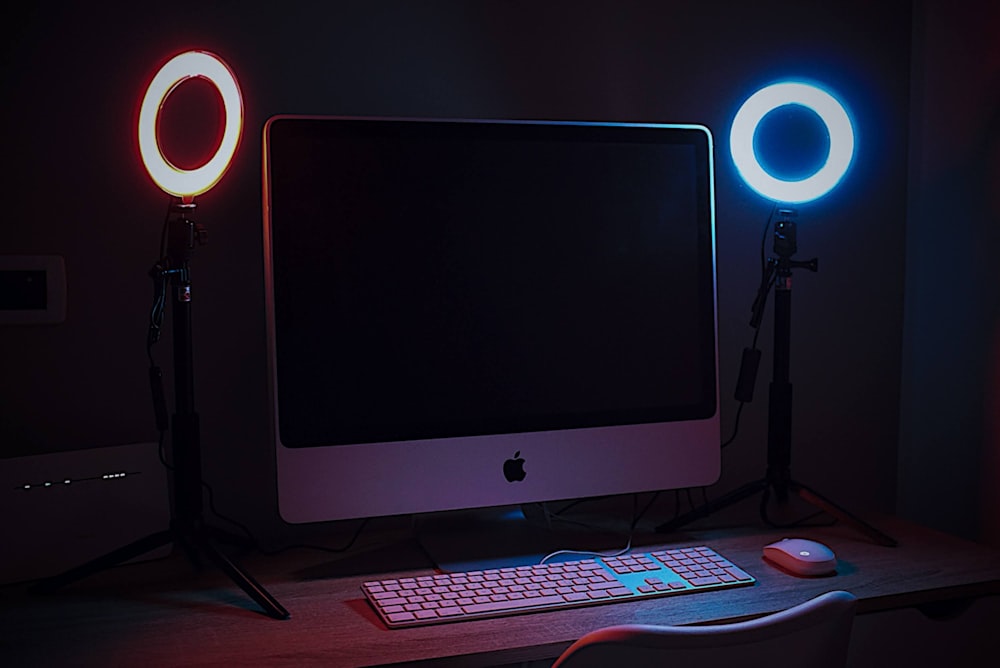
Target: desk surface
point(165, 613)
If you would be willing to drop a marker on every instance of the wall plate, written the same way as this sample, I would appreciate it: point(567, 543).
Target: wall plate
point(32, 289)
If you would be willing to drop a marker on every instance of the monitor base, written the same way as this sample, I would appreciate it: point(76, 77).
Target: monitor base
point(509, 536)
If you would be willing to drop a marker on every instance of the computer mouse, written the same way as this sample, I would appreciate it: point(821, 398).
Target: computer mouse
point(801, 556)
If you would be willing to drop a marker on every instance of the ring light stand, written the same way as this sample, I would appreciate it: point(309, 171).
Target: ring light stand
point(778, 478)
point(181, 236)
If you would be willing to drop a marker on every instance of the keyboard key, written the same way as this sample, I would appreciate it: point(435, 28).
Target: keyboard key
point(498, 606)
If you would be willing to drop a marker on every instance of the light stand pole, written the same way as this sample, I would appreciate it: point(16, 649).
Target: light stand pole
point(778, 477)
point(183, 235)
point(187, 526)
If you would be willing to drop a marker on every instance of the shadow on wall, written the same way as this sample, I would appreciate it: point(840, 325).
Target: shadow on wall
point(950, 435)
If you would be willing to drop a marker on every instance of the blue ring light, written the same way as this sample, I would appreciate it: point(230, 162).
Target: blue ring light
point(830, 111)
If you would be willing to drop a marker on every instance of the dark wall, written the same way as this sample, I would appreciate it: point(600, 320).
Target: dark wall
point(949, 475)
point(73, 76)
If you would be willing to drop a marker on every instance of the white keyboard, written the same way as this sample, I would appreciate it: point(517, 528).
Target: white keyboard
point(453, 597)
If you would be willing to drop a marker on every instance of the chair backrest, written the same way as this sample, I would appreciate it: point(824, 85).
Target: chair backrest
point(814, 634)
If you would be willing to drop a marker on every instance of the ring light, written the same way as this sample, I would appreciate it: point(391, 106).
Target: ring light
point(181, 182)
point(829, 110)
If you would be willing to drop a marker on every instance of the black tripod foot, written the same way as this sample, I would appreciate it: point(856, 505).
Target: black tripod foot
point(242, 579)
point(102, 563)
point(831, 508)
point(195, 543)
point(707, 509)
point(764, 486)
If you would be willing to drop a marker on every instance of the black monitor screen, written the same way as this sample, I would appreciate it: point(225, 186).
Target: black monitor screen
point(435, 279)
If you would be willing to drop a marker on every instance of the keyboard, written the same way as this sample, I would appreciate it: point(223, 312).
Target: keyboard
point(455, 597)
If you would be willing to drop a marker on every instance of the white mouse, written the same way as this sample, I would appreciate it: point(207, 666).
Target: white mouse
point(801, 556)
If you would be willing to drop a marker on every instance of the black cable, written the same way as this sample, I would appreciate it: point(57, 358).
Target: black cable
point(649, 504)
point(322, 548)
point(557, 515)
point(159, 290)
point(763, 240)
point(736, 426)
point(751, 355)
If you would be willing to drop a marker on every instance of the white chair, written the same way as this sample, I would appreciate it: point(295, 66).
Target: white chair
point(814, 634)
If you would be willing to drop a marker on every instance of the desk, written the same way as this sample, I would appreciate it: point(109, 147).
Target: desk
point(164, 614)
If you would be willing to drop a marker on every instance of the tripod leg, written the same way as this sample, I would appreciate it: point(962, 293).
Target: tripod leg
point(724, 501)
point(818, 500)
point(243, 579)
point(109, 560)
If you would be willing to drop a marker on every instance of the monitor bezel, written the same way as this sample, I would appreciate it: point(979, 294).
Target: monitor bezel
point(316, 484)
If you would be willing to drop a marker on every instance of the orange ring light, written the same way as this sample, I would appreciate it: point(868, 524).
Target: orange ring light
point(182, 182)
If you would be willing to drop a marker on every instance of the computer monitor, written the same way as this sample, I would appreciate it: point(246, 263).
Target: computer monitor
point(465, 314)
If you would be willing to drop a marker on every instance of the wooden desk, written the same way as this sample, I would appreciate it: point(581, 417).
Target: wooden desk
point(164, 614)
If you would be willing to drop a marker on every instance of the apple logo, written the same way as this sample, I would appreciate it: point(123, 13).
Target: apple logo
point(513, 468)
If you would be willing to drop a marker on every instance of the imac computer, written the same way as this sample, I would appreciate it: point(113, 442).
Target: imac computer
point(465, 314)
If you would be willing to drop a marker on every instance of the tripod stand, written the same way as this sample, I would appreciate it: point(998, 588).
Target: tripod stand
point(187, 528)
point(778, 478)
